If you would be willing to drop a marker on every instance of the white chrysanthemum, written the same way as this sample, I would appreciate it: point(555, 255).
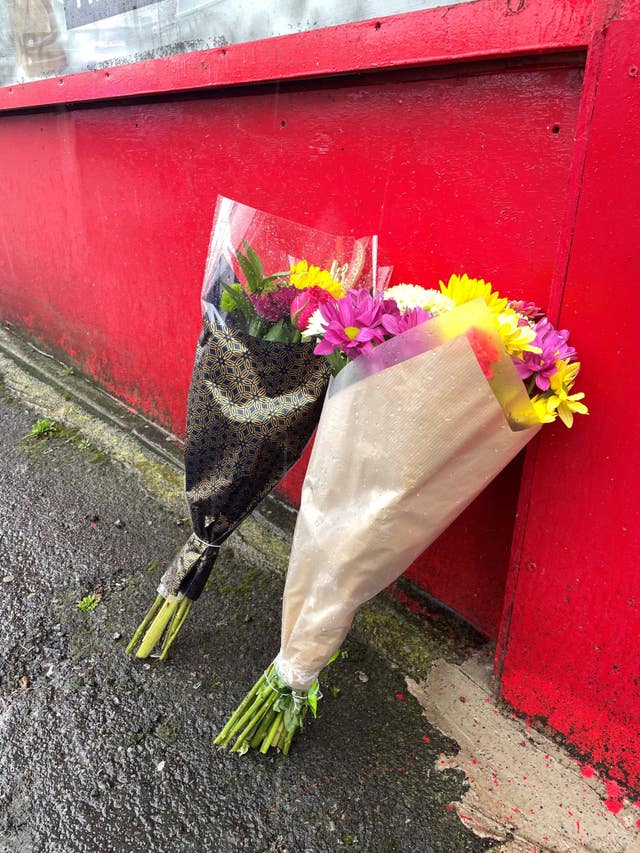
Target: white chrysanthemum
point(315, 327)
point(408, 296)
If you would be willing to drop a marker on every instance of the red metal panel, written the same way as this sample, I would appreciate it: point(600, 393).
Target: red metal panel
point(571, 654)
point(483, 29)
point(106, 211)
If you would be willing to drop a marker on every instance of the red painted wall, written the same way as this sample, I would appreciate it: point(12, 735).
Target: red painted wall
point(107, 211)
point(570, 648)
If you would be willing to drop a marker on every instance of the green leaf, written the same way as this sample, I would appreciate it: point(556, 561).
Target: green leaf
point(280, 332)
point(43, 427)
point(272, 282)
point(253, 280)
point(337, 360)
point(290, 718)
point(282, 703)
point(256, 326)
point(88, 603)
point(254, 260)
point(312, 698)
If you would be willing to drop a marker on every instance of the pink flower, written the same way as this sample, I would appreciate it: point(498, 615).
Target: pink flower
point(396, 325)
point(305, 303)
point(527, 309)
point(273, 306)
point(354, 324)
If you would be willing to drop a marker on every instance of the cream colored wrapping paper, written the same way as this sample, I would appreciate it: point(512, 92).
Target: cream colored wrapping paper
point(398, 456)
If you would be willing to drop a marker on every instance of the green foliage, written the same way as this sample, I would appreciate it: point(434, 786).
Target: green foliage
point(251, 266)
point(88, 603)
point(313, 694)
point(233, 298)
point(152, 565)
point(67, 371)
point(280, 331)
point(42, 428)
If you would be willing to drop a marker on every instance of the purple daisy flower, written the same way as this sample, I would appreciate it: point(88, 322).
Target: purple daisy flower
point(554, 346)
point(397, 324)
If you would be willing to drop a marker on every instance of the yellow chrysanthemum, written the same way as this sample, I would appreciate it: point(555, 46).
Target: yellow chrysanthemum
point(560, 400)
point(566, 404)
point(463, 289)
point(303, 276)
point(516, 339)
point(545, 415)
point(565, 375)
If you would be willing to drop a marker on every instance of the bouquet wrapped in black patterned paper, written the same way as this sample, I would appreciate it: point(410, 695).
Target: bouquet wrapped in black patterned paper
point(257, 389)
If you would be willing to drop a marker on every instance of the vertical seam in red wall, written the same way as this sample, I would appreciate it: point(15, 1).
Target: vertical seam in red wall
point(593, 69)
point(513, 575)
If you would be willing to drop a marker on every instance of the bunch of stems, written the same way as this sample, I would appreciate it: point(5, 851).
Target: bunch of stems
point(268, 717)
point(160, 626)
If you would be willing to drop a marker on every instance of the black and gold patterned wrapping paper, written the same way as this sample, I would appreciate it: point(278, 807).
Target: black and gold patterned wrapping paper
point(252, 407)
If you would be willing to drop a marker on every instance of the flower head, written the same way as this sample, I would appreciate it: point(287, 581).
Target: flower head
point(396, 324)
point(558, 401)
point(407, 296)
point(273, 306)
point(315, 327)
point(354, 323)
point(526, 309)
point(303, 276)
point(517, 335)
point(553, 346)
point(463, 289)
point(565, 375)
point(305, 303)
point(566, 404)
point(545, 414)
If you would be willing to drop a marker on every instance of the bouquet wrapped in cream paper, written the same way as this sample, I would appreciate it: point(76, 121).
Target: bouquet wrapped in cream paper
point(412, 430)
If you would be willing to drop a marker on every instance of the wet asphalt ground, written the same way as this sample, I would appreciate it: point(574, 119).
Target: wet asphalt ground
point(99, 752)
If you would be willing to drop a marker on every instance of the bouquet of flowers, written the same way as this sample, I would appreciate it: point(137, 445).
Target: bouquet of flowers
point(257, 389)
point(427, 405)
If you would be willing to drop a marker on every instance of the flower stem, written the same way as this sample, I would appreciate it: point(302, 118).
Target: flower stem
point(176, 624)
point(262, 729)
point(275, 728)
point(286, 746)
point(250, 728)
point(224, 737)
point(142, 627)
point(157, 628)
point(259, 721)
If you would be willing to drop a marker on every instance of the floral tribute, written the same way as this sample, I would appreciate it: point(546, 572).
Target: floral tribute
point(256, 389)
point(355, 323)
point(309, 303)
point(405, 368)
point(277, 307)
